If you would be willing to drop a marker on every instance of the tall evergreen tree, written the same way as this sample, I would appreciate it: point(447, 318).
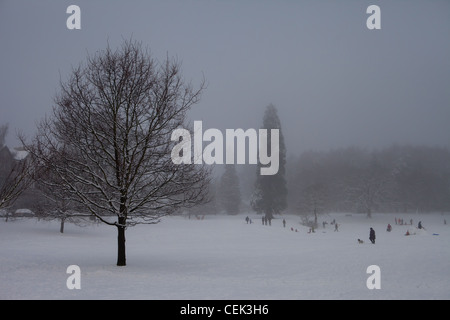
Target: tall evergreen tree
point(230, 195)
point(270, 194)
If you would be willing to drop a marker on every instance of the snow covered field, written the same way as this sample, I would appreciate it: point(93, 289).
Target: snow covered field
point(222, 257)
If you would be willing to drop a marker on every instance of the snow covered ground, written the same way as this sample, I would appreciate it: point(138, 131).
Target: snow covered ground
point(222, 257)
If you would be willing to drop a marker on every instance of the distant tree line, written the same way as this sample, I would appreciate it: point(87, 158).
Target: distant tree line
point(393, 179)
point(399, 178)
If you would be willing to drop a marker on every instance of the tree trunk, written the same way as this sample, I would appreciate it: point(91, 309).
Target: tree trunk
point(121, 260)
point(61, 227)
point(315, 218)
point(269, 214)
point(369, 213)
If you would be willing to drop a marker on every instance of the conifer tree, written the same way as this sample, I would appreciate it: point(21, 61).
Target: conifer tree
point(230, 194)
point(270, 194)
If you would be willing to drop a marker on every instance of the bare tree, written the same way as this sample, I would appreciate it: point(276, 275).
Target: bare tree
point(15, 175)
point(313, 201)
point(109, 139)
point(56, 202)
point(18, 179)
point(371, 187)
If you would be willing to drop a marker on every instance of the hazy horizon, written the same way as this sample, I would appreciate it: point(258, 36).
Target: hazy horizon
point(334, 82)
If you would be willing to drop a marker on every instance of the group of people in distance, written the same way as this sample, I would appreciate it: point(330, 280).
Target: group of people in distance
point(372, 235)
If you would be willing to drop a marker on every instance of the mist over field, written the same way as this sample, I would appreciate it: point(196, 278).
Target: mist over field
point(238, 146)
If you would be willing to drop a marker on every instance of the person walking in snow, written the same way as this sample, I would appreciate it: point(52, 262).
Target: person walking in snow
point(372, 236)
point(284, 223)
point(247, 219)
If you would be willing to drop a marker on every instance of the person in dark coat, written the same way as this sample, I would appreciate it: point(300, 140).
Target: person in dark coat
point(372, 235)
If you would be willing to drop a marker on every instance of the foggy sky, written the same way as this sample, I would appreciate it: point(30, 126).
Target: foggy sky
point(335, 83)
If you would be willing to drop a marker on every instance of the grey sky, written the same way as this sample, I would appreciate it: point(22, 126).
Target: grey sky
point(335, 83)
